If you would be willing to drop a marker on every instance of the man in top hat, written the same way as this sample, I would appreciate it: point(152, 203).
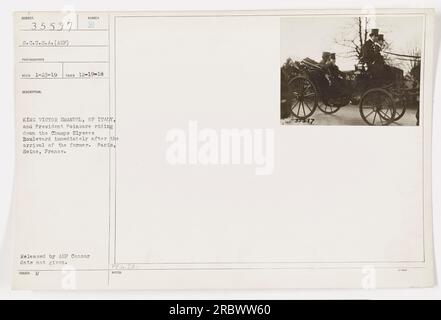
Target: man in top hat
point(379, 45)
point(368, 49)
point(372, 57)
point(380, 40)
point(389, 73)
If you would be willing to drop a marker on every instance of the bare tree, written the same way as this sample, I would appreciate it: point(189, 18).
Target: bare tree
point(414, 58)
point(354, 37)
point(409, 62)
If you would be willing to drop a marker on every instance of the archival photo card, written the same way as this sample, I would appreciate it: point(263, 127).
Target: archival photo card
point(151, 152)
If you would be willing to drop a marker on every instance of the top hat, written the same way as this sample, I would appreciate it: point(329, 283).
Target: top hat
point(332, 55)
point(381, 37)
point(325, 54)
point(374, 32)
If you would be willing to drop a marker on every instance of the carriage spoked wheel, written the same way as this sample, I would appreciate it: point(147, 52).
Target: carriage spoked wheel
point(304, 98)
point(400, 110)
point(377, 107)
point(328, 108)
point(400, 107)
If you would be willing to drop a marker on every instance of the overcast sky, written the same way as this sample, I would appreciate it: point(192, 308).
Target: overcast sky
point(309, 36)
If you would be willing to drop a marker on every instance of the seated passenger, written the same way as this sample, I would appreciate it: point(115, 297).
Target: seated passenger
point(333, 69)
point(324, 67)
point(337, 78)
point(325, 58)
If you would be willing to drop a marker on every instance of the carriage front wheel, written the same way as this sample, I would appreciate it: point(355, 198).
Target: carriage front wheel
point(328, 108)
point(304, 97)
point(377, 107)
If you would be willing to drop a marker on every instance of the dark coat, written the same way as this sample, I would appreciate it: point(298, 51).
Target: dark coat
point(335, 72)
point(378, 57)
point(322, 63)
point(368, 54)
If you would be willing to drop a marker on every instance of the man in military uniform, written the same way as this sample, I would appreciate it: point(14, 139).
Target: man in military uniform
point(337, 77)
point(325, 58)
point(333, 69)
point(323, 73)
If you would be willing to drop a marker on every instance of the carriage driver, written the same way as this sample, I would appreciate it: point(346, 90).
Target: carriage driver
point(368, 48)
point(389, 73)
point(380, 41)
point(379, 45)
point(372, 57)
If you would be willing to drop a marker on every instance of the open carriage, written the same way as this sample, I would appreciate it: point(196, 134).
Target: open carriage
point(381, 102)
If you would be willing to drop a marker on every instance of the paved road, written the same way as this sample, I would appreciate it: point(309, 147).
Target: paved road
point(348, 115)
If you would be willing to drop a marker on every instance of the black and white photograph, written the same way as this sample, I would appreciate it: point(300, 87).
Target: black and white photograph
point(351, 70)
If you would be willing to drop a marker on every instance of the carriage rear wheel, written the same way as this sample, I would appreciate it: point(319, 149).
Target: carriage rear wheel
point(400, 110)
point(377, 107)
point(304, 97)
